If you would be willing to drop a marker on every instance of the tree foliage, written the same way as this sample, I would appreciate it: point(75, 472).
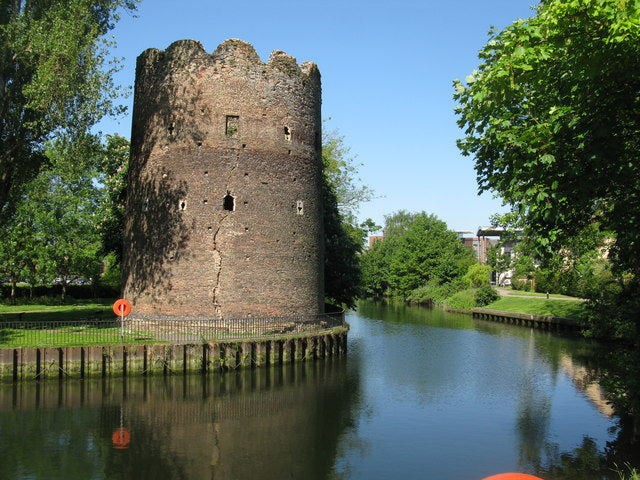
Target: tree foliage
point(343, 237)
point(552, 118)
point(113, 168)
point(55, 229)
point(417, 248)
point(341, 172)
point(478, 275)
point(55, 76)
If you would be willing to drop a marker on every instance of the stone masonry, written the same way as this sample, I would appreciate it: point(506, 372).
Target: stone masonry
point(224, 213)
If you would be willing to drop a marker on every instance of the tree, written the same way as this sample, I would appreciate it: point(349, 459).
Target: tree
point(478, 275)
point(54, 77)
point(62, 203)
point(19, 253)
point(343, 237)
point(552, 119)
point(340, 171)
point(113, 167)
point(410, 256)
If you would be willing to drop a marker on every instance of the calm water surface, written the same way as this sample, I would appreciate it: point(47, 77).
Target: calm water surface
point(421, 395)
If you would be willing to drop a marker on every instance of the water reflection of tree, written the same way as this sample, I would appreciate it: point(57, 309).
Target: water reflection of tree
point(616, 370)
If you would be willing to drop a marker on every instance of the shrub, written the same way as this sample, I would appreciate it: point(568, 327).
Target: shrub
point(477, 275)
point(464, 300)
point(523, 284)
point(435, 291)
point(485, 295)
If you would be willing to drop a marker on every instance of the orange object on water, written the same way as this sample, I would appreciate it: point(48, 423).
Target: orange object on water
point(120, 438)
point(122, 307)
point(512, 476)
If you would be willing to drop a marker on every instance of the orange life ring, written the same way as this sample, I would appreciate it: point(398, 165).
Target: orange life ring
point(120, 438)
point(512, 476)
point(122, 307)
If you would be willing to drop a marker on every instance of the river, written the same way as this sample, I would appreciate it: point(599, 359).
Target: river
point(422, 394)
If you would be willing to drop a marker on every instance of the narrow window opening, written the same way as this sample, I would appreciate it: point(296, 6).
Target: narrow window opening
point(145, 206)
point(287, 134)
point(199, 144)
point(289, 152)
point(246, 174)
point(244, 145)
point(229, 203)
point(233, 122)
point(205, 201)
point(300, 207)
point(171, 129)
point(206, 172)
point(183, 205)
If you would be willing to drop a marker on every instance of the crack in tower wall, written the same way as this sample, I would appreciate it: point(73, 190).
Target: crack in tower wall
point(268, 159)
point(217, 265)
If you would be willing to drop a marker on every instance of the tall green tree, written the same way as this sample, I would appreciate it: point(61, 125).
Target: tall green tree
point(113, 168)
point(552, 118)
point(20, 255)
point(63, 204)
point(340, 171)
point(343, 236)
point(55, 76)
point(417, 248)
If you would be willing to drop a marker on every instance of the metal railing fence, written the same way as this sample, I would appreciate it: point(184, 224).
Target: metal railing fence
point(141, 330)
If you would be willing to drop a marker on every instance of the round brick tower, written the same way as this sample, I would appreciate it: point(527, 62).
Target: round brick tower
point(224, 212)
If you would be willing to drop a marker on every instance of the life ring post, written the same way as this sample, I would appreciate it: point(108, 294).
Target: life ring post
point(122, 308)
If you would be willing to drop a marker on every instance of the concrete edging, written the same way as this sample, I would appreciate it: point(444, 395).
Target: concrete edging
point(21, 364)
point(544, 322)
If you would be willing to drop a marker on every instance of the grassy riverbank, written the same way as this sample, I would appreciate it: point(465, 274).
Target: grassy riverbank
point(80, 310)
point(541, 306)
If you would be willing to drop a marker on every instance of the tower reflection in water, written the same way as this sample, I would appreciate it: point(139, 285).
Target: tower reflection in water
point(278, 423)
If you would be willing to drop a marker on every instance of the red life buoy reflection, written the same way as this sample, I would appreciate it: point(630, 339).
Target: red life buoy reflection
point(512, 476)
point(121, 438)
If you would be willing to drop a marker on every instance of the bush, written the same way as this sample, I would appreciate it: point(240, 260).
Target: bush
point(464, 300)
point(478, 275)
point(485, 295)
point(523, 284)
point(435, 292)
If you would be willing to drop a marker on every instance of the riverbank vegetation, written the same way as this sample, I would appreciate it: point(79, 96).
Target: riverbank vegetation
point(541, 306)
point(421, 261)
point(550, 117)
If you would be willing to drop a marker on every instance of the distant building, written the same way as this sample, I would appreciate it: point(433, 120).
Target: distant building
point(501, 279)
point(480, 246)
point(375, 238)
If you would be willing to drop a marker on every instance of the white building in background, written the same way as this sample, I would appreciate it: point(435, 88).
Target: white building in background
point(495, 235)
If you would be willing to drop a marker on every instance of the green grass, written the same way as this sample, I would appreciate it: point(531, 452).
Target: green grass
point(76, 336)
point(536, 294)
point(551, 307)
point(78, 305)
point(60, 335)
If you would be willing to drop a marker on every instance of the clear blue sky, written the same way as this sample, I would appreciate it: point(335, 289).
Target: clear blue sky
point(387, 68)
